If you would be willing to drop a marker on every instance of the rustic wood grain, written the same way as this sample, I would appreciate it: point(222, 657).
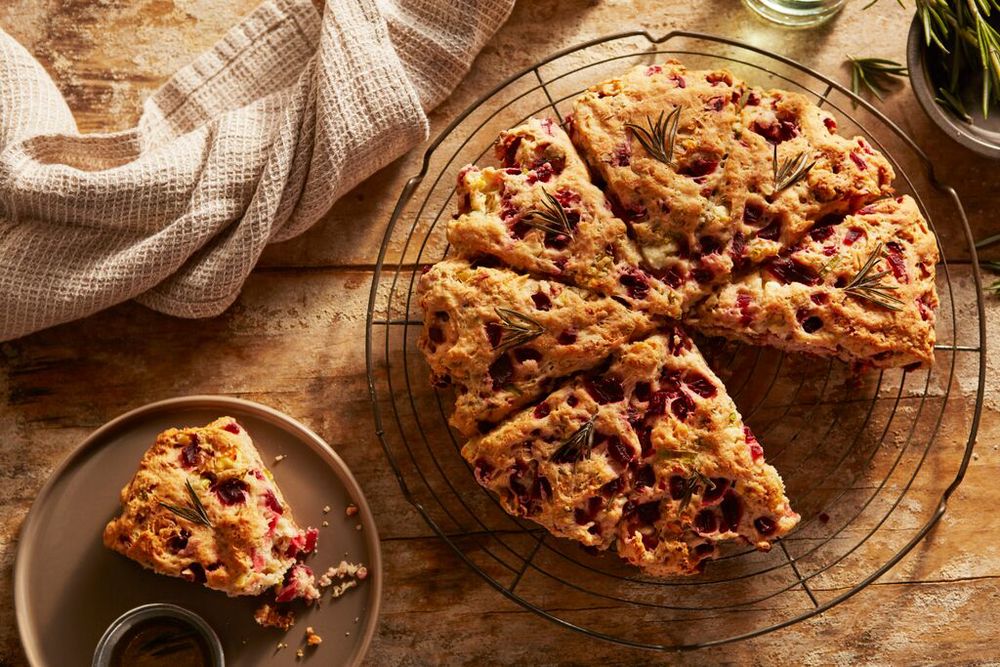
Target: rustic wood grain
point(293, 341)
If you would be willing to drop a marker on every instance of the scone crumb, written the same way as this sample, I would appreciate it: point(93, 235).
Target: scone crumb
point(347, 634)
point(279, 458)
point(347, 575)
point(326, 524)
point(357, 527)
point(326, 509)
point(312, 639)
point(280, 646)
point(300, 653)
point(351, 510)
point(269, 616)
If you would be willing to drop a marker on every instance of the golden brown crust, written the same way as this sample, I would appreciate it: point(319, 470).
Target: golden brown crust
point(246, 539)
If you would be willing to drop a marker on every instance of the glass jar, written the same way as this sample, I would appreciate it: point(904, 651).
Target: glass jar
point(796, 13)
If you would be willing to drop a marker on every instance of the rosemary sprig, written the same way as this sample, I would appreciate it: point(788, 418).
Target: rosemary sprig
point(993, 287)
point(691, 483)
point(789, 171)
point(988, 241)
point(949, 101)
point(658, 138)
point(873, 74)
point(867, 285)
point(196, 513)
point(516, 328)
point(550, 218)
point(578, 446)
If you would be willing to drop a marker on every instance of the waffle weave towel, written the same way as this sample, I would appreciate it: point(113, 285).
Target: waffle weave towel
point(248, 145)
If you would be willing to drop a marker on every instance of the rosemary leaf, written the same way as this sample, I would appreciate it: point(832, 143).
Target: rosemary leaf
point(952, 104)
point(516, 328)
point(868, 286)
point(577, 447)
point(196, 513)
point(551, 217)
point(658, 137)
point(691, 483)
point(790, 170)
point(988, 241)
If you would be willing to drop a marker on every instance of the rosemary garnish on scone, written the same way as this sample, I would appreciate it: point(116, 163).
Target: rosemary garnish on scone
point(789, 171)
point(658, 138)
point(691, 483)
point(551, 218)
point(196, 513)
point(578, 446)
point(517, 328)
point(867, 285)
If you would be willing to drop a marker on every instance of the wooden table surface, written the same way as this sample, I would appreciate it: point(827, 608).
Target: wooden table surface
point(294, 340)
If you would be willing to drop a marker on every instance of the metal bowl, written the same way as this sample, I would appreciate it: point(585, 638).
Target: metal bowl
point(128, 620)
point(982, 135)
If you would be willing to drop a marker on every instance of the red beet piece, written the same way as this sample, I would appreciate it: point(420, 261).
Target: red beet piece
point(732, 509)
point(231, 491)
point(765, 525)
point(705, 522)
point(541, 301)
point(894, 254)
point(501, 371)
point(713, 493)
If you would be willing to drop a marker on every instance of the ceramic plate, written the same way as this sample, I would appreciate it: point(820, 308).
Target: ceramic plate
point(68, 587)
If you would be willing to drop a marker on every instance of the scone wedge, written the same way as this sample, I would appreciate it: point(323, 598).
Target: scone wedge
point(503, 338)
point(713, 175)
point(649, 454)
point(204, 507)
point(859, 287)
point(540, 213)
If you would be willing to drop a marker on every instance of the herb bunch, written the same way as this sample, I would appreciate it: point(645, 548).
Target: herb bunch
point(965, 35)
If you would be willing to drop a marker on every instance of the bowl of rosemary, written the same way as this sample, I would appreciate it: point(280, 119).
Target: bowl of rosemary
point(953, 58)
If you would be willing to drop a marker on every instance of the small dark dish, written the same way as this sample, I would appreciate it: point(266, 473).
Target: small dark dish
point(159, 631)
point(982, 135)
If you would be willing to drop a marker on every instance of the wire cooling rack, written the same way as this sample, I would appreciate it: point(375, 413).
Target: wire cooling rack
point(869, 463)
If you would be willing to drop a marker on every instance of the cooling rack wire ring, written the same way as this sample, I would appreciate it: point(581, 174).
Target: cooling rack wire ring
point(528, 566)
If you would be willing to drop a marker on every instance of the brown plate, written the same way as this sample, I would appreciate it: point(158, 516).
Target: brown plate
point(68, 587)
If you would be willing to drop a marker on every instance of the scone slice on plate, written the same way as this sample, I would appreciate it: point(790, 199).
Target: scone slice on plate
point(659, 137)
point(789, 167)
point(204, 507)
point(503, 338)
point(859, 287)
point(649, 453)
point(540, 213)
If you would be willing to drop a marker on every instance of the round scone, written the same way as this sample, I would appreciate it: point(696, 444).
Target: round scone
point(203, 506)
point(858, 287)
point(542, 214)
